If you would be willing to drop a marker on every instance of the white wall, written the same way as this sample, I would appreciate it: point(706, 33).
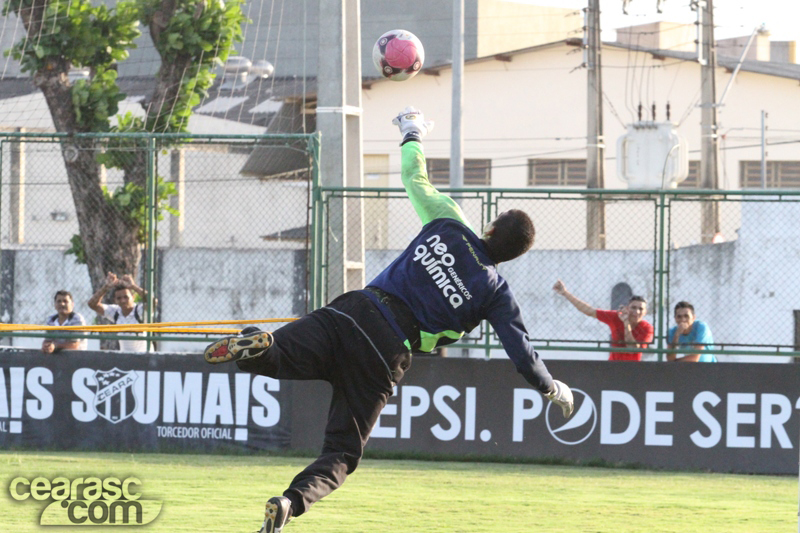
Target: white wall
point(38, 274)
point(197, 284)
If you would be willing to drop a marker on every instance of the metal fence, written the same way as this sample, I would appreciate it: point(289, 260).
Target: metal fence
point(732, 254)
point(221, 223)
point(248, 235)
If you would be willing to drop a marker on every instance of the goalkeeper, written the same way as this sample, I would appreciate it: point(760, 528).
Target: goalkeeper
point(440, 287)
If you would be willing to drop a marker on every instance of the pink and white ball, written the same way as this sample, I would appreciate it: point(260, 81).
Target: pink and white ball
point(398, 55)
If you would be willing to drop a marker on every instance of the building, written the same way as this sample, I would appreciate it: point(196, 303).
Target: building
point(525, 119)
point(287, 34)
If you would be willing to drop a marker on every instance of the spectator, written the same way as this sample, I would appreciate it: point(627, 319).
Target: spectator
point(690, 333)
point(628, 329)
point(64, 316)
point(124, 310)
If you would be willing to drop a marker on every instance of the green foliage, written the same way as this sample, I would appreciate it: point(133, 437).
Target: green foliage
point(130, 201)
point(121, 152)
point(96, 100)
point(78, 32)
point(129, 123)
point(74, 33)
point(195, 36)
point(200, 34)
point(204, 30)
point(77, 249)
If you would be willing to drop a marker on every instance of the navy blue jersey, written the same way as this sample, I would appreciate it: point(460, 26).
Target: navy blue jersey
point(446, 278)
point(448, 281)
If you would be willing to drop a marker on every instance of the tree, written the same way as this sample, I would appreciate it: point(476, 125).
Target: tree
point(191, 36)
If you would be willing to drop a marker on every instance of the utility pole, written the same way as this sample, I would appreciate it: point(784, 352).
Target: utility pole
point(457, 130)
point(763, 149)
point(595, 146)
point(709, 153)
point(17, 201)
point(339, 121)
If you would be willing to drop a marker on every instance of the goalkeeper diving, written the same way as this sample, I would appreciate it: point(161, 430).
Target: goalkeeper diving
point(442, 286)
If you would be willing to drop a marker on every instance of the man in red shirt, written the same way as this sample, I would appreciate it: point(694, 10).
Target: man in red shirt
point(627, 327)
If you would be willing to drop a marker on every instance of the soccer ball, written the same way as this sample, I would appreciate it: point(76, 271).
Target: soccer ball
point(398, 55)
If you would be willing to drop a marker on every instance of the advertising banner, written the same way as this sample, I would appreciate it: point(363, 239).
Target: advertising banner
point(136, 402)
point(721, 417)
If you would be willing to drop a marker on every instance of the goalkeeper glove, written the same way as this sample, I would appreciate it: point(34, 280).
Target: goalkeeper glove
point(412, 124)
point(562, 397)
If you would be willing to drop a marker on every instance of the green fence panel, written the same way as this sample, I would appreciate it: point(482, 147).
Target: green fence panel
point(223, 224)
point(732, 254)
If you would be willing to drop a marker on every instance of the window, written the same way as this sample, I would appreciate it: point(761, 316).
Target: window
point(780, 174)
point(476, 172)
point(556, 172)
point(692, 180)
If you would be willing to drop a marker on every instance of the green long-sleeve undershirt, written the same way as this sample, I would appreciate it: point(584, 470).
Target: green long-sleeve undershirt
point(428, 202)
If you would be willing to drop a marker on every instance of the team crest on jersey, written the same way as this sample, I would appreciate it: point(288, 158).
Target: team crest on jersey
point(114, 398)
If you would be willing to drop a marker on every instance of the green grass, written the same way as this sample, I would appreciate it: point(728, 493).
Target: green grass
point(227, 493)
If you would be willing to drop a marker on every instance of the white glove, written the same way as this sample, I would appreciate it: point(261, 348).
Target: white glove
point(562, 397)
point(412, 124)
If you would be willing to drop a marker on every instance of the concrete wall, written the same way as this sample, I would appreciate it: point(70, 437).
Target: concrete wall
point(196, 284)
point(759, 49)
point(660, 36)
point(783, 51)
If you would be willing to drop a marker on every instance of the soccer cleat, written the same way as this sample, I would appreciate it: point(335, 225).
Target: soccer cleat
point(250, 342)
point(277, 514)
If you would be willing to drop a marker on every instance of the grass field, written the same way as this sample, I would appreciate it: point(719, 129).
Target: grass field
point(227, 493)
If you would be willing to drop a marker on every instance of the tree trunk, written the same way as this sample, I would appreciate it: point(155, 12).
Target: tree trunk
point(170, 73)
point(109, 238)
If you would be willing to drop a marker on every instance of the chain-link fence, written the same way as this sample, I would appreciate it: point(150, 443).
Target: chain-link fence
point(234, 227)
point(211, 227)
point(732, 254)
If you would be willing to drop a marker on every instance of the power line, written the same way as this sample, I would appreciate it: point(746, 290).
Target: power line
point(695, 100)
point(614, 111)
point(674, 79)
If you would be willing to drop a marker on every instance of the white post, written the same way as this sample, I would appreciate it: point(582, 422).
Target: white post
point(709, 149)
point(177, 165)
point(339, 120)
point(763, 149)
point(457, 131)
point(17, 189)
point(595, 147)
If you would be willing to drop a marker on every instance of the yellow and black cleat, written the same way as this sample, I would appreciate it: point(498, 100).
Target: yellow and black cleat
point(277, 515)
point(251, 342)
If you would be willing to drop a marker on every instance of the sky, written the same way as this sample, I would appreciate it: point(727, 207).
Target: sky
point(732, 18)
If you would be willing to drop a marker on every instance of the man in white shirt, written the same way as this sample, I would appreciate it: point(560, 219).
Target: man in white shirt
point(124, 310)
point(64, 316)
